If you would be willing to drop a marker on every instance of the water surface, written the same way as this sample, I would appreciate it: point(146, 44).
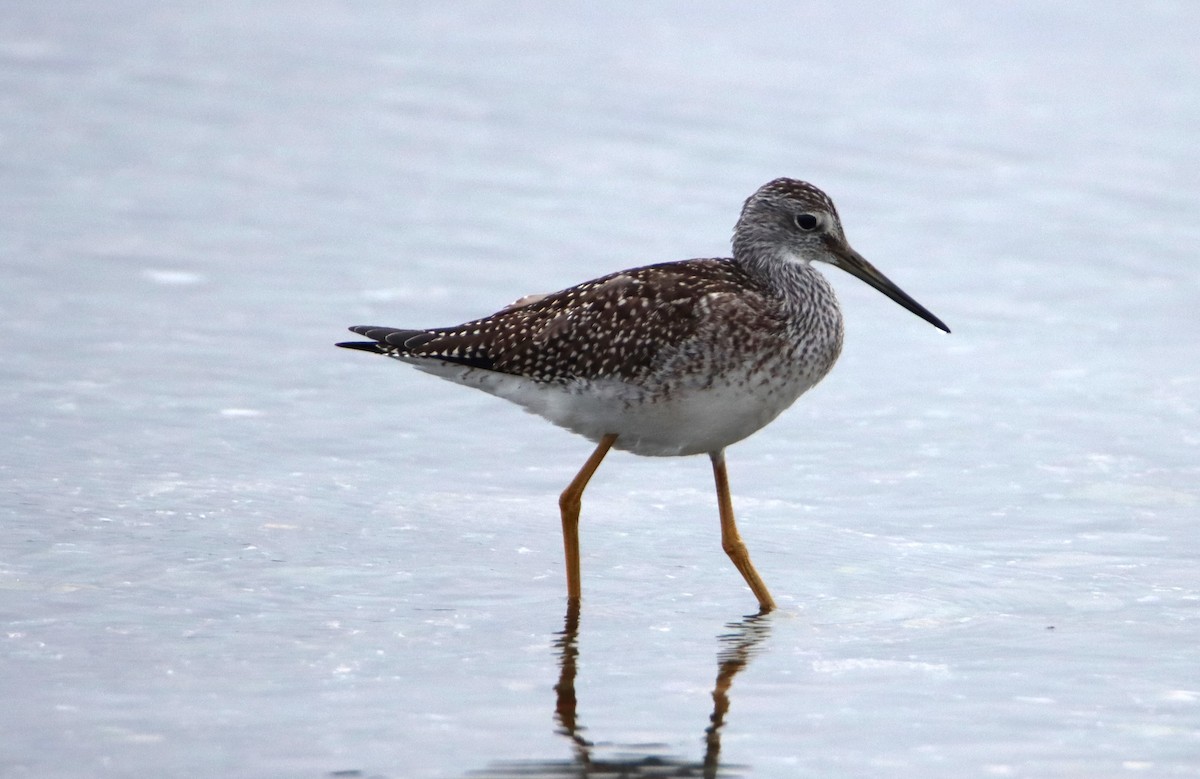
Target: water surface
point(233, 550)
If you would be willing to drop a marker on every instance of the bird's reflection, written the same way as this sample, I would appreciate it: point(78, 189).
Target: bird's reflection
point(735, 648)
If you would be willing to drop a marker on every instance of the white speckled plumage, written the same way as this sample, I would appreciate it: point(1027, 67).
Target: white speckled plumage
point(677, 358)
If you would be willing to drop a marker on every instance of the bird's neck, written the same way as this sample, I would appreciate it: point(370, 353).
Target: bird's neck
point(802, 291)
point(786, 274)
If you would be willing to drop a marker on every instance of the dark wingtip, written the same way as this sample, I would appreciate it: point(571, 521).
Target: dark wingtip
point(365, 346)
point(388, 340)
point(375, 347)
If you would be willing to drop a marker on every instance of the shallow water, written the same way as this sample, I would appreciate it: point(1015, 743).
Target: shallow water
point(233, 550)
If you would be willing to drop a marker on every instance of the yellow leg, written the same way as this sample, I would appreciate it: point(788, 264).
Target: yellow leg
point(569, 503)
point(731, 541)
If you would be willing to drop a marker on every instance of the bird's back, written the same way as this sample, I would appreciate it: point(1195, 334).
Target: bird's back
point(677, 358)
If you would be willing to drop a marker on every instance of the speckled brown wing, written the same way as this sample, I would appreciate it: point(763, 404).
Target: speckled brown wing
point(621, 326)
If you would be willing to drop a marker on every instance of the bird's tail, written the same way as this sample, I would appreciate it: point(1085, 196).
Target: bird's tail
point(387, 340)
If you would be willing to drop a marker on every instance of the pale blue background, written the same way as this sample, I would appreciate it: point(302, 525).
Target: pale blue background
point(232, 550)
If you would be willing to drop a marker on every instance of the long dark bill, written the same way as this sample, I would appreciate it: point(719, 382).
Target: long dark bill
point(856, 265)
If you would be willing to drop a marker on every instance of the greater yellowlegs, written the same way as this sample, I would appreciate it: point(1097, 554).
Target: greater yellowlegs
point(666, 360)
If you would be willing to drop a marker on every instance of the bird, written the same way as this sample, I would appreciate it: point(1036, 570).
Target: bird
point(671, 359)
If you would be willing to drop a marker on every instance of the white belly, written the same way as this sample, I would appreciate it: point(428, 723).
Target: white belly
point(689, 420)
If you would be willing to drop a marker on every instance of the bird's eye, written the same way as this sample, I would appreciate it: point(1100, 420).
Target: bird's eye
point(806, 222)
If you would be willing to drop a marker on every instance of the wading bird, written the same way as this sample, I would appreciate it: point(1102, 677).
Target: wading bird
point(672, 359)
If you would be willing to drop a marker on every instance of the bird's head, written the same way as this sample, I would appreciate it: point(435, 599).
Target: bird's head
point(789, 221)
